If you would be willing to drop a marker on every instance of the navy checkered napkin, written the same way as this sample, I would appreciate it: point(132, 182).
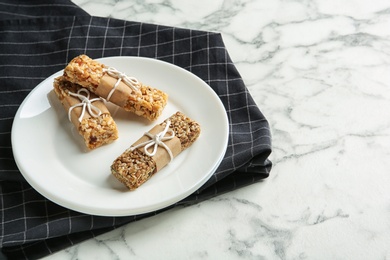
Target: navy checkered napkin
point(38, 38)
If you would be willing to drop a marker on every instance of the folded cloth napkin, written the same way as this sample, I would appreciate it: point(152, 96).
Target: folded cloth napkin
point(37, 39)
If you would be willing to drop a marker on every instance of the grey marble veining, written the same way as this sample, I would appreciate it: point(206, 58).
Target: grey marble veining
point(319, 70)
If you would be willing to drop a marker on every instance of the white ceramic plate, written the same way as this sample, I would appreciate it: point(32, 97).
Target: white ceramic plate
point(51, 155)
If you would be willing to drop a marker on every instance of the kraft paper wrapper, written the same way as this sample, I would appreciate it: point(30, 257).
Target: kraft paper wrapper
point(120, 94)
point(70, 101)
point(162, 156)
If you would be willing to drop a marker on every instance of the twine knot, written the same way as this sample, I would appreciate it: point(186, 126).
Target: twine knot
point(86, 103)
point(131, 82)
point(157, 140)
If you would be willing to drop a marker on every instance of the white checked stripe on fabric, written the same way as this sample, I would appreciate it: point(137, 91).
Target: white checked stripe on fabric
point(69, 39)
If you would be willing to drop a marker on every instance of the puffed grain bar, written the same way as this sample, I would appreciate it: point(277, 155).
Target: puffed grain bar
point(148, 102)
point(96, 131)
point(135, 167)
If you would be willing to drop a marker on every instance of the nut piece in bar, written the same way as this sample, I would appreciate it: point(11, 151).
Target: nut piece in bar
point(87, 112)
point(155, 150)
point(116, 87)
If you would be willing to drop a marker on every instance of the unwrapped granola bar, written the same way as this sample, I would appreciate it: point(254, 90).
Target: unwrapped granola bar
point(116, 87)
point(155, 150)
point(87, 112)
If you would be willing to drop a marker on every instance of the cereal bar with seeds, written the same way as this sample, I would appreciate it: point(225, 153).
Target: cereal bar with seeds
point(140, 162)
point(87, 112)
point(116, 87)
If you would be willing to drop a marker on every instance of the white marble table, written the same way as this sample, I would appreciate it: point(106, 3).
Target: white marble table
point(320, 72)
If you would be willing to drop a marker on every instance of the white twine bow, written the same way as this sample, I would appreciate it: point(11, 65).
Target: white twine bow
point(86, 103)
point(157, 140)
point(129, 81)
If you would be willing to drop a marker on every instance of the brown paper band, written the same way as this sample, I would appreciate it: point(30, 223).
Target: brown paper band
point(121, 93)
point(161, 157)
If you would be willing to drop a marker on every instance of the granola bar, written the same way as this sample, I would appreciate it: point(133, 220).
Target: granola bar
point(94, 123)
point(136, 165)
point(116, 87)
